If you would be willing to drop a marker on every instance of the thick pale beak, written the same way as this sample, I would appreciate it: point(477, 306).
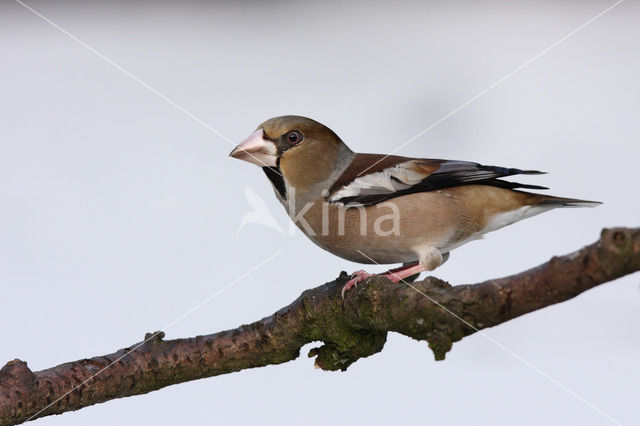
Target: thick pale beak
point(257, 150)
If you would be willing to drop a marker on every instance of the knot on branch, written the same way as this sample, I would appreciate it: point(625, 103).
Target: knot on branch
point(621, 240)
point(621, 246)
point(153, 338)
point(16, 374)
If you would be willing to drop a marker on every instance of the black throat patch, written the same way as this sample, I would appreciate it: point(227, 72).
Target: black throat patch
point(275, 176)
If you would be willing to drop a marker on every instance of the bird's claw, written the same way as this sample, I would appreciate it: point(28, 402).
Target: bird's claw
point(356, 278)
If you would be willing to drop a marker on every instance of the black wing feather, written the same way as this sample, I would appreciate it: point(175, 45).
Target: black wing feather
point(450, 174)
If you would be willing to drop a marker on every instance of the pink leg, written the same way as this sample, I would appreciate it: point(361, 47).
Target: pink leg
point(394, 275)
point(399, 274)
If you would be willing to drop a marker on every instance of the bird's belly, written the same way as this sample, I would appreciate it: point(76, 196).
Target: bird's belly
point(394, 231)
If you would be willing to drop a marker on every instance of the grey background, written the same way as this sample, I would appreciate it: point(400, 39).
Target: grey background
point(118, 212)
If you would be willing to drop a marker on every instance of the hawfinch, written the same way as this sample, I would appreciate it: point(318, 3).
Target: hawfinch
point(373, 208)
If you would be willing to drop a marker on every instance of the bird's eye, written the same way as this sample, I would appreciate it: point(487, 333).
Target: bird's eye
point(294, 137)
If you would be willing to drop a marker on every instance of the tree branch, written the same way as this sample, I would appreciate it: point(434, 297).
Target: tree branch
point(430, 310)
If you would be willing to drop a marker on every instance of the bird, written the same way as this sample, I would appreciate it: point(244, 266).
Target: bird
point(386, 209)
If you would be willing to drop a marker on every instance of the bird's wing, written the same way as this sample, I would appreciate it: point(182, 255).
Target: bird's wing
point(373, 178)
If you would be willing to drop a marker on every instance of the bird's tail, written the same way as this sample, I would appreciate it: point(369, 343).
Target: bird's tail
point(567, 202)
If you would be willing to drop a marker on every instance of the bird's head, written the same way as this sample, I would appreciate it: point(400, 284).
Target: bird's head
point(287, 136)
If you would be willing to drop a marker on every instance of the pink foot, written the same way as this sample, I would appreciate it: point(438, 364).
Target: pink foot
point(394, 275)
point(356, 278)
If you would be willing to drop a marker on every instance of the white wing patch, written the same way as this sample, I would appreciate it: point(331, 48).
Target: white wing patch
point(387, 181)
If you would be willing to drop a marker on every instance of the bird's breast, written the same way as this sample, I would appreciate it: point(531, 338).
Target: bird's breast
point(393, 231)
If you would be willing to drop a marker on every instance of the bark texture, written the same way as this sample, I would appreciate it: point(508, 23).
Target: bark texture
point(430, 310)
